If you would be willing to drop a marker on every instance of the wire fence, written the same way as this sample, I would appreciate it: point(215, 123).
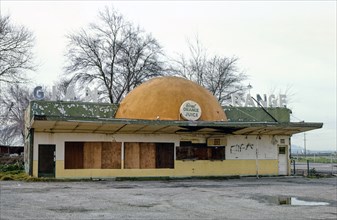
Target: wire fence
point(309, 168)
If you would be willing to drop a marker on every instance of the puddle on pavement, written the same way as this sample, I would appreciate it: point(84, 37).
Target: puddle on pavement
point(293, 201)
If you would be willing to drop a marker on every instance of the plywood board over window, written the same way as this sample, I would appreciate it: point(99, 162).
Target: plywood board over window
point(165, 155)
point(148, 155)
point(73, 155)
point(111, 155)
point(131, 160)
point(92, 155)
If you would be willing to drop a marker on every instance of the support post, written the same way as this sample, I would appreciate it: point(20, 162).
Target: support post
point(257, 165)
point(31, 152)
point(257, 157)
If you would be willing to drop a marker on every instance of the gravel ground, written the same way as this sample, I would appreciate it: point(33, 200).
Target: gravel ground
point(245, 198)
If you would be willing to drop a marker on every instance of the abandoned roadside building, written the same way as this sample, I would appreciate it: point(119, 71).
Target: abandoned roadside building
point(168, 126)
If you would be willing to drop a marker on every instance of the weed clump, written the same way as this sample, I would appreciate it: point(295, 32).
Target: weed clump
point(11, 167)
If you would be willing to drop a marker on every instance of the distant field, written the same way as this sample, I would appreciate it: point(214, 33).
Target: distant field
point(316, 159)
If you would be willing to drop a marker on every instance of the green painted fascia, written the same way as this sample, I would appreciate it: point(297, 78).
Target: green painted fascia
point(68, 109)
point(94, 111)
point(257, 114)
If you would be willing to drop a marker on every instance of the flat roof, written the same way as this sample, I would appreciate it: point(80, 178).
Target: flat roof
point(76, 117)
point(134, 126)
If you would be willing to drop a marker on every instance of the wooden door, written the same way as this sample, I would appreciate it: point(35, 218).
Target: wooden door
point(46, 160)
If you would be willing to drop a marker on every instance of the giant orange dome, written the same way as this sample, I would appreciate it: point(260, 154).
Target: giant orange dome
point(161, 99)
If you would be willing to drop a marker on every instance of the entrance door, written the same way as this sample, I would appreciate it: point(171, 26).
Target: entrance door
point(46, 165)
point(283, 160)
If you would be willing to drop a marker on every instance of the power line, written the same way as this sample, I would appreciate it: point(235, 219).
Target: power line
point(296, 117)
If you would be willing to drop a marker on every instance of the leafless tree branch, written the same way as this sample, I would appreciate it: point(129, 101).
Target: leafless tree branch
point(220, 75)
point(114, 55)
point(16, 57)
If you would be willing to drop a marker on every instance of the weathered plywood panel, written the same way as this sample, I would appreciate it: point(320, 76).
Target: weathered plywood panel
point(87, 155)
point(147, 155)
point(165, 155)
point(111, 155)
point(97, 155)
point(73, 155)
point(131, 155)
point(106, 157)
point(92, 155)
point(116, 155)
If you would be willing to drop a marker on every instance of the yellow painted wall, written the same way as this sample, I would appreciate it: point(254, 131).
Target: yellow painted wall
point(35, 166)
point(182, 168)
point(227, 167)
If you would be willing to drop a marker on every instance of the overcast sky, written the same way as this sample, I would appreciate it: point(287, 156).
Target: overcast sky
point(280, 44)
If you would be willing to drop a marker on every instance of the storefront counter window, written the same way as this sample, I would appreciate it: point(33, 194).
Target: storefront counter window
point(190, 151)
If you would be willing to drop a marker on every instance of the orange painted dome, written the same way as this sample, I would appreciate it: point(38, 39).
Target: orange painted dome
point(161, 99)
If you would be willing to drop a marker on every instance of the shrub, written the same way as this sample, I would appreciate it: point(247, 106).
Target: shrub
point(12, 167)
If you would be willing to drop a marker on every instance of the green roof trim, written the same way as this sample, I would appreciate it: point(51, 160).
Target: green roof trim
point(90, 110)
point(257, 114)
point(74, 109)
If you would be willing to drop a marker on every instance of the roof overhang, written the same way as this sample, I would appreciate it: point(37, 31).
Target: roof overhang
point(134, 126)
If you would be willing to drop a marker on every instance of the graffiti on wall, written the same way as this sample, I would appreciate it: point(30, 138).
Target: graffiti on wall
point(241, 147)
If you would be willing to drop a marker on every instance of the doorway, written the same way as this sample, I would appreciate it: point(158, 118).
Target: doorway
point(46, 164)
point(282, 160)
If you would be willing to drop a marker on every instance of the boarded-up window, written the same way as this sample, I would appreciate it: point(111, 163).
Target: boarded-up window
point(73, 155)
point(191, 151)
point(111, 155)
point(148, 155)
point(165, 155)
point(131, 151)
point(92, 155)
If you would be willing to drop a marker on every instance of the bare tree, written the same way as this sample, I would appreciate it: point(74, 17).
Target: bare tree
point(288, 91)
point(112, 54)
point(192, 67)
point(223, 78)
point(16, 58)
point(14, 100)
point(16, 43)
point(220, 75)
point(13, 103)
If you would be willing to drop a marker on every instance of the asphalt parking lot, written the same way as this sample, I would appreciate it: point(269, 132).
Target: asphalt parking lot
point(244, 198)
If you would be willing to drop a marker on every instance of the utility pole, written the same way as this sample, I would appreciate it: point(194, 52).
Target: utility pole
point(249, 88)
point(305, 145)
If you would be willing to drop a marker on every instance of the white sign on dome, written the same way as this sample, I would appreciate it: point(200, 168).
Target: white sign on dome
point(190, 110)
